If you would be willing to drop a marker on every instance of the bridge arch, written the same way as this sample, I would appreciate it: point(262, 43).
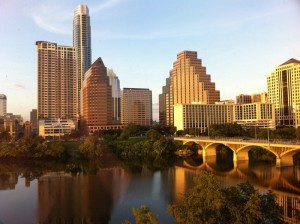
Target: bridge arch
point(211, 149)
point(191, 142)
point(242, 153)
point(287, 158)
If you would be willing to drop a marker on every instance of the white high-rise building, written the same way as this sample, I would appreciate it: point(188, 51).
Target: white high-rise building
point(3, 102)
point(82, 44)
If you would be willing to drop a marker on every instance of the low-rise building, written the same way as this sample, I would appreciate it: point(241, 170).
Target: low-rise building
point(201, 116)
point(55, 128)
point(260, 115)
point(12, 124)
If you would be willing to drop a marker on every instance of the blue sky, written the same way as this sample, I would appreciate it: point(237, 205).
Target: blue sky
point(240, 42)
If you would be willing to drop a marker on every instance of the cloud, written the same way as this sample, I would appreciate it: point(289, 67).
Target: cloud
point(12, 85)
point(45, 24)
point(257, 17)
point(52, 18)
point(15, 86)
point(105, 5)
point(57, 18)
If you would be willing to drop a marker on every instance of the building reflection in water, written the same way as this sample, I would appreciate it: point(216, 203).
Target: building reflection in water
point(283, 182)
point(8, 181)
point(64, 198)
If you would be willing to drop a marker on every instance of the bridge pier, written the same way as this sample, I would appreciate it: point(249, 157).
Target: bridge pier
point(234, 157)
point(285, 161)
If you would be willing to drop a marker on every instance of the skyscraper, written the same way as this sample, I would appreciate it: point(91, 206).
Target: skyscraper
point(115, 88)
point(165, 107)
point(189, 83)
point(284, 92)
point(136, 106)
point(82, 45)
point(57, 89)
point(96, 109)
point(3, 103)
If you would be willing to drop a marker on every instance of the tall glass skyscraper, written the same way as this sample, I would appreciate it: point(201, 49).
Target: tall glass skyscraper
point(82, 44)
point(115, 87)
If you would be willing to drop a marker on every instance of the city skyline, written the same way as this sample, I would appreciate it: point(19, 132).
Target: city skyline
point(140, 40)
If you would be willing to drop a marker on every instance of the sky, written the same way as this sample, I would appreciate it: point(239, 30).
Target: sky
point(239, 42)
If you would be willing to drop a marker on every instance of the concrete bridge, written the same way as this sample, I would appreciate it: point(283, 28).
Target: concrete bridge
point(283, 150)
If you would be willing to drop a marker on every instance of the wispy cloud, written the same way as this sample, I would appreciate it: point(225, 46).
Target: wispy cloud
point(15, 86)
point(52, 17)
point(57, 18)
point(105, 5)
point(251, 18)
point(51, 27)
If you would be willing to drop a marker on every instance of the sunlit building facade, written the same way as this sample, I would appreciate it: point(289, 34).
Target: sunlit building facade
point(97, 101)
point(260, 115)
point(57, 88)
point(136, 106)
point(55, 128)
point(189, 83)
point(259, 97)
point(82, 45)
point(201, 116)
point(284, 93)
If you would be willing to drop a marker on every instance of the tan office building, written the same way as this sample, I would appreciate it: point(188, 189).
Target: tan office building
point(201, 116)
point(97, 103)
point(57, 83)
point(284, 92)
point(260, 115)
point(189, 83)
point(136, 106)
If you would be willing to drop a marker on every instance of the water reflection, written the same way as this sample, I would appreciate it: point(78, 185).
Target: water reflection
point(82, 198)
point(106, 192)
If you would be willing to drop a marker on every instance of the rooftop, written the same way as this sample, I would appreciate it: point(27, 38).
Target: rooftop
point(292, 60)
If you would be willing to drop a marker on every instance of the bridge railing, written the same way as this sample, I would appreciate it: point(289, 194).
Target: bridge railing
point(246, 139)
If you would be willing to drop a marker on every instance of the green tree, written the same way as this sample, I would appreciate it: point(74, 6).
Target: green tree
point(226, 130)
point(91, 147)
point(143, 215)
point(208, 203)
point(153, 135)
point(201, 204)
point(130, 130)
point(5, 136)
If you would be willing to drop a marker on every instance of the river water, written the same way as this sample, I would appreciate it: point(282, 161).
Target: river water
point(107, 194)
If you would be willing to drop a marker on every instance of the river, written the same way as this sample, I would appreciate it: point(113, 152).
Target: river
point(108, 192)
